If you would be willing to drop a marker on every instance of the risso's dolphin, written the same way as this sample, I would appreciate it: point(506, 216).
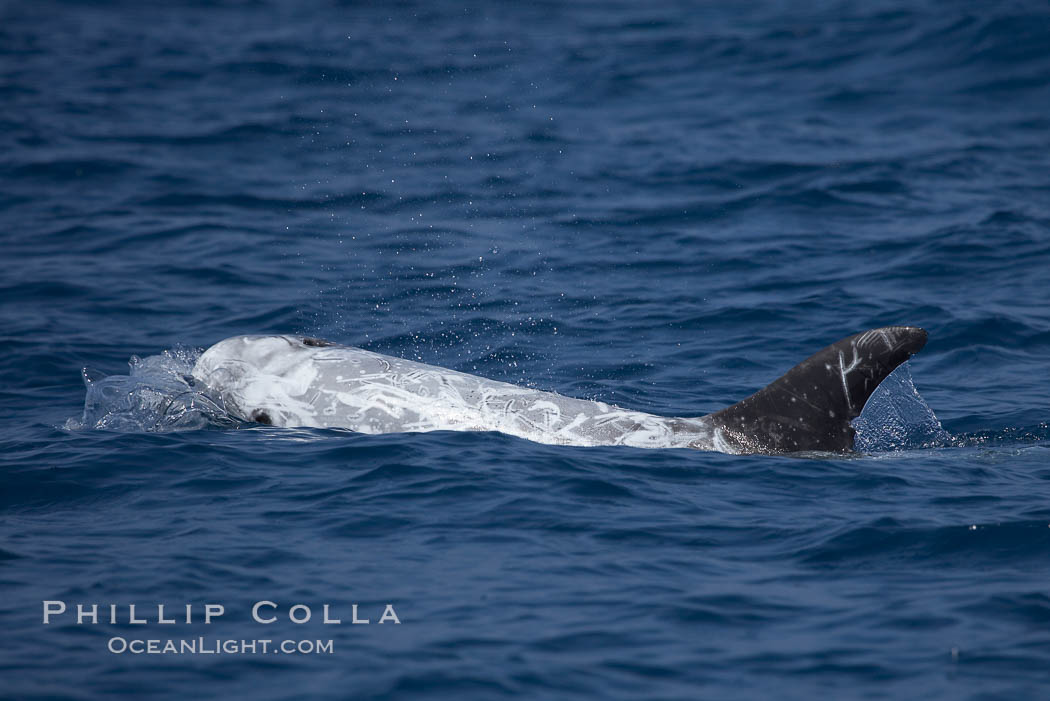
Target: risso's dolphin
point(296, 381)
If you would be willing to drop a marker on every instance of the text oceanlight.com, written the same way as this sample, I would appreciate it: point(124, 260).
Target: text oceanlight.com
point(215, 646)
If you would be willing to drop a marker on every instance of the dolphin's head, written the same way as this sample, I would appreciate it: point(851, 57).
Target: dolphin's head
point(262, 378)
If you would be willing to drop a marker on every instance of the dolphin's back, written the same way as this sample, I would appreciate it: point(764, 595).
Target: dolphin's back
point(296, 381)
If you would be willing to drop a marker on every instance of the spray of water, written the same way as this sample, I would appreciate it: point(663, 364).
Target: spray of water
point(897, 418)
point(157, 395)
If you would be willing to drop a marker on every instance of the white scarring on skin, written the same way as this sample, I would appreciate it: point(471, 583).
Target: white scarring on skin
point(284, 382)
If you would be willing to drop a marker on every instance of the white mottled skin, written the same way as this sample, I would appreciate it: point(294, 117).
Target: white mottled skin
point(342, 387)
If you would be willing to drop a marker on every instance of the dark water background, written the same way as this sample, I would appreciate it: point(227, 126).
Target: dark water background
point(659, 205)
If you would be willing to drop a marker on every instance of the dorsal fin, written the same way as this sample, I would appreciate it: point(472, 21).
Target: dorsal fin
point(812, 405)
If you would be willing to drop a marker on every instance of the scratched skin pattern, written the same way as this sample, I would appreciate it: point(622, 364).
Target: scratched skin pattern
point(285, 382)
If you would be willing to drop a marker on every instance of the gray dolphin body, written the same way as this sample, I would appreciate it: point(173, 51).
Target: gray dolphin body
point(296, 381)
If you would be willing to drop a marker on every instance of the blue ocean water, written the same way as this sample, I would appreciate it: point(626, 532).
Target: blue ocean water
point(662, 205)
